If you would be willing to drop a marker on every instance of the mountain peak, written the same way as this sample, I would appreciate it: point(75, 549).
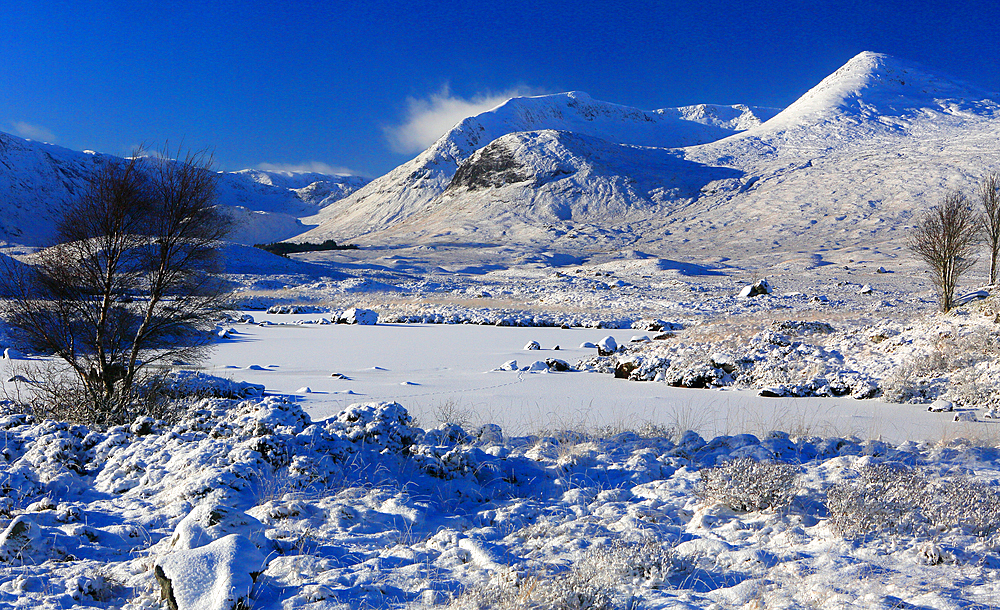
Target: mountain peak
point(874, 91)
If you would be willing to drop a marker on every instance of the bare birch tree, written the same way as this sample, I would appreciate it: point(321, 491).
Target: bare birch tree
point(131, 283)
point(946, 237)
point(989, 200)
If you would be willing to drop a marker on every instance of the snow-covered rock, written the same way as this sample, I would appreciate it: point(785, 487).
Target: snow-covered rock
point(217, 576)
point(532, 345)
point(23, 542)
point(537, 366)
point(207, 523)
point(941, 405)
point(758, 288)
point(357, 315)
point(510, 365)
point(607, 346)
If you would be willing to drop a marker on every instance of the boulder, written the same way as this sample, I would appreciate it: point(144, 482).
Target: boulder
point(356, 315)
point(556, 364)
point(532, 345)
point(756, 289)
point(23, 542)
point(607, 346)
point(624, 369)
point(941, 405)
point(217, 576)
point(207, 523)
point(510, 365)
point(724, 361)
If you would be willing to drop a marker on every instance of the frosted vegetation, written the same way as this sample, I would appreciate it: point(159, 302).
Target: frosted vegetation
point(552, 376)
point(250, 500)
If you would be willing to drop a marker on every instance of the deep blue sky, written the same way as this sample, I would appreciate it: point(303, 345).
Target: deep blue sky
point(361, 85)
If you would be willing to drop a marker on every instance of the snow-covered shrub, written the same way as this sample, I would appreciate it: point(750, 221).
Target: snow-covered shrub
point(952, 358)
point(883, 498)
point(896, 499)
point(184, 384)
point(905, 385)
point(963, 503)
point(789, 358)
point(607, 577)
point(386, 424)
point(745, 484)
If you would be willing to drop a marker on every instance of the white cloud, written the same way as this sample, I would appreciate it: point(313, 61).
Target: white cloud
point(429, 119)
point(33, 132)
point(307, 166)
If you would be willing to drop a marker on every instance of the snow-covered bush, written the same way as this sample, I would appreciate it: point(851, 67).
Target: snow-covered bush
point(386, 424)
point(605, 578)
point(745, 484)
point(952, 358)
point(896, 499)
point(883, 498)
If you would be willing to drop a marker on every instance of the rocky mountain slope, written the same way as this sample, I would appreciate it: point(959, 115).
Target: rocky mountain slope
point(843, 167)
point(39, 180)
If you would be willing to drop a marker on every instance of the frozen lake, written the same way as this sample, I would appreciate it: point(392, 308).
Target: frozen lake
point(441, 371)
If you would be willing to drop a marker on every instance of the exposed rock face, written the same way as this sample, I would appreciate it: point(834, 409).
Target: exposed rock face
point(492, 166)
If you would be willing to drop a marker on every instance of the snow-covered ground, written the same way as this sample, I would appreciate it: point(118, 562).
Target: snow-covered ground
point(248, 502)
point(415, 465)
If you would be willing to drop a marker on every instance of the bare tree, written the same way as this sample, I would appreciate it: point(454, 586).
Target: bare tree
point(946, 237)
point(131, 283)
point(989, 199)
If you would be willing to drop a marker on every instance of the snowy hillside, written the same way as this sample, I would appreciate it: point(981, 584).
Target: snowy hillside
point(849, 163)
point(845, 166)
point(410, 188)
point(39, 180)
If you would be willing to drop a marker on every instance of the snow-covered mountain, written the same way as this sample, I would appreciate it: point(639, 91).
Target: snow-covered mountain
point(850, 162)
point(410, 189)
point(39, 180)
point(847, 163)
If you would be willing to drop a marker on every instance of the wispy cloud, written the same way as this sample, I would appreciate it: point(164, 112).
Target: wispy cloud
point(428, 119)
point(32, 131)
point(308, 166)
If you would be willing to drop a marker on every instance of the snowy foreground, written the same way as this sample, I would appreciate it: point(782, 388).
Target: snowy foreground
point(373, 473)
point(250, 504)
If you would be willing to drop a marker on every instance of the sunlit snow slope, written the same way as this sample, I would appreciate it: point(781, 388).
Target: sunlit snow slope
point(845, 165)
point(561, 140)
point(39, 180)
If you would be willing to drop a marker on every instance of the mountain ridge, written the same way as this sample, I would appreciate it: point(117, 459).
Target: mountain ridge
point(410, 187)
point(40, 180)
point(853, 159)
